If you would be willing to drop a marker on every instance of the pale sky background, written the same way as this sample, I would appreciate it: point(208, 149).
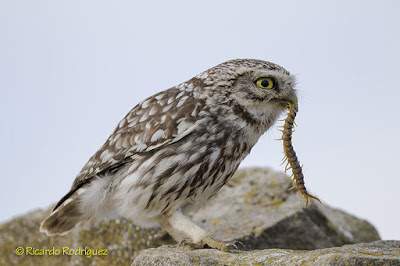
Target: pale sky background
point(70, 70)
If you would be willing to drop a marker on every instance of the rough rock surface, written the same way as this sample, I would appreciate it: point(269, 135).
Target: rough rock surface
point(375, 253)
point(122, 240)
point(254, 207)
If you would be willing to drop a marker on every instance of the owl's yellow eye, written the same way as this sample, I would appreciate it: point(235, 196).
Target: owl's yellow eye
point(265, 83)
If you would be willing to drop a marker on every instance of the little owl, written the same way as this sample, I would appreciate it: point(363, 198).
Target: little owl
point(176, 149)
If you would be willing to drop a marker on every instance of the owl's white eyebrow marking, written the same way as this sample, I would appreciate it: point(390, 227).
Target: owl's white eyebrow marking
point(157, 135)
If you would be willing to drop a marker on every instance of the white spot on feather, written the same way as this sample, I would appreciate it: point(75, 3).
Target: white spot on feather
point(183, 125)
point(140, 147)
point(126, 143)
point(166, 108)
point(80, 191)
point(137, 138)
point(163, 119)
point(146, 103)
point(106, 155)
point(121, 124)
point(180, 94)
point(194, 113)
point(158, 135)
point(118, 144)
point(214, 156)
point(144, 117)
point(66, 202)
point(170, 100)
point(116, 137)
point(160, 96)
point(153, 110)
point(182, 101)
point(133, 120)
point(203, 113)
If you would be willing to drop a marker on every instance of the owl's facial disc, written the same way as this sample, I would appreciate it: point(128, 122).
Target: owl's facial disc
point(264, 87)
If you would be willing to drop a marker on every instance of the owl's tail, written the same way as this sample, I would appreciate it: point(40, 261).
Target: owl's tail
point(65, 216)
point(89, 200)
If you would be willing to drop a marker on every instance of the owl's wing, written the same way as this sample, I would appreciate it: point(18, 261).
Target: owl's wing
point(157, 121)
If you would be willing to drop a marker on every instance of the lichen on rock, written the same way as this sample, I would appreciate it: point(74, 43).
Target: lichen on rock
point(375, 253)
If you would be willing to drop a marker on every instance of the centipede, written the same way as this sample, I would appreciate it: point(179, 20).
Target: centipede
point(290, 157)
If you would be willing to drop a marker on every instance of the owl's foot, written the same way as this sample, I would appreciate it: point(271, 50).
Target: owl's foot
point(212, 243)
point(180, 227)
point(222, 245)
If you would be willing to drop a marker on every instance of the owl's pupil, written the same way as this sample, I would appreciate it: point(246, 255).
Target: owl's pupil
point(265, 83)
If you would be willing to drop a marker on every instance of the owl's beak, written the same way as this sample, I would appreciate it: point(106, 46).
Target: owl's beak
point(292, 98)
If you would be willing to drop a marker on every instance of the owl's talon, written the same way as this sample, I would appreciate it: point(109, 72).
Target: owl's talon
point(237, 242)
point(233, 246)
point(187, 243)
point(183, 243)
point(211, 243)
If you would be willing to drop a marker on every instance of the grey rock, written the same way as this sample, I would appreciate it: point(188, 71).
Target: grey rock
point(119, 237)
point(256, 208)
point(375, 253)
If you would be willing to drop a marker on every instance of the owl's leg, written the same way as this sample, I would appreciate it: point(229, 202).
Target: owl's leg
point(182, 228)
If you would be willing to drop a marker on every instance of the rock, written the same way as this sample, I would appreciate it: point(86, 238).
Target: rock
point(254, 207)
point(119, 237)
point(375, 253)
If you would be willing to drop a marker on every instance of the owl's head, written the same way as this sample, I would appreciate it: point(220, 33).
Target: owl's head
point(253, 83)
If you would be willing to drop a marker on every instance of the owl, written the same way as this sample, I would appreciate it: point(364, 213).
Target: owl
point(176, 149)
